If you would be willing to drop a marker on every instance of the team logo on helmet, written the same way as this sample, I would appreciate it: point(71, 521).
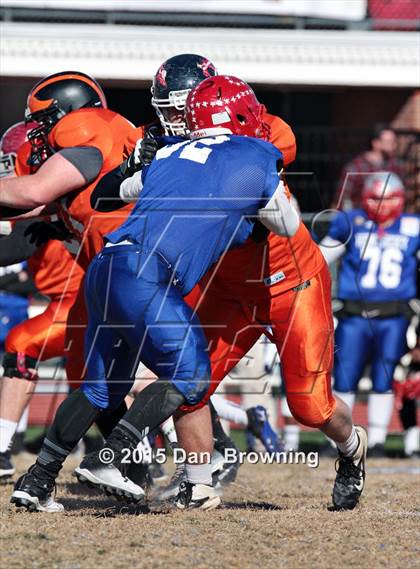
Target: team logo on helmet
point(161, 75)
point(206, 66)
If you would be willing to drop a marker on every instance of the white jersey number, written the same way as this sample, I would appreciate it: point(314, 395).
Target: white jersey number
point(192, 151)
point(383, 266)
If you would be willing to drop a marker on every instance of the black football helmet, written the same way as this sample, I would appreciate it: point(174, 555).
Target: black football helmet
point(59, 94)
point(173, 81)
point(54, 97)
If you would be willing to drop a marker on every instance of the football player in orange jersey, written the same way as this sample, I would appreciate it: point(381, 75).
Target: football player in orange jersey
point(77, 141)
point(41, 337)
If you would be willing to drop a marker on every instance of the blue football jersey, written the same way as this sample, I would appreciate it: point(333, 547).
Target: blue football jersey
point(379, 265)
point(199, 199)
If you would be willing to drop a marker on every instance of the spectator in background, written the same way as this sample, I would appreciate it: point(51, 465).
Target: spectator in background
point(380, 157)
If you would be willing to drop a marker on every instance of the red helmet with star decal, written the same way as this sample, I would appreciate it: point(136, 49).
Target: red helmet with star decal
point(10, 143)
point(225, 104)
point(383, 197)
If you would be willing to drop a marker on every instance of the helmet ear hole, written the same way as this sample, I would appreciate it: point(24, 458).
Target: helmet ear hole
point(219, 93)
point(241, 119)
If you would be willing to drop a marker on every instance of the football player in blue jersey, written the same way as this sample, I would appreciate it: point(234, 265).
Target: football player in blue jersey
point(378, 245)
point(198, 198)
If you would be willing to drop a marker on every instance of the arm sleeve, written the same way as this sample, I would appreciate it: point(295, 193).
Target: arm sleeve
point(279, 215)
point(106, 194)
point(131, 187)
point(87, 159)
point(332, 249)
point(16, 246)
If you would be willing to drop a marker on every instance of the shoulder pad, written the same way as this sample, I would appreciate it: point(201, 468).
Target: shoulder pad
point(85, 127)
point(282, 137)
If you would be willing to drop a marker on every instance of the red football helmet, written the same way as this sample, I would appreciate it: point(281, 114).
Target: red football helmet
point(225, 104)
point(383, 197)
point(10, 143)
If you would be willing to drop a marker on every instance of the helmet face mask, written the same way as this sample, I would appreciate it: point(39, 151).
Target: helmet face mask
point(171, 84)
point(41, 149)
point(171, 112)
point(383, 197)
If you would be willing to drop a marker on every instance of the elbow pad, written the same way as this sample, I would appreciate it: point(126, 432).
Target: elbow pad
point(279, 215)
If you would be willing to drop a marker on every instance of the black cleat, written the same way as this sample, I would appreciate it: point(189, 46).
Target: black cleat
point(350, 479)
point(34, 492)
point(229, 471)
point(197, 496)
point(6, 466)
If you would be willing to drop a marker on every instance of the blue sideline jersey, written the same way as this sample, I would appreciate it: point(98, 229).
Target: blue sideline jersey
point(199, 199)
point(379, 264)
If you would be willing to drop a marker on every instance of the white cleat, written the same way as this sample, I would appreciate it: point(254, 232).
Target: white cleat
point(108, 478)
point(197, 496)
point(33, 504)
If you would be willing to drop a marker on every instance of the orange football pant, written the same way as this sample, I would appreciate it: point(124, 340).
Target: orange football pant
point(43, 336)
point(302, 329)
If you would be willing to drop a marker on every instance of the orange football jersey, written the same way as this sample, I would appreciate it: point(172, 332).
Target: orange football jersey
point(275, 264)
point(115, 137)
point(53, 269)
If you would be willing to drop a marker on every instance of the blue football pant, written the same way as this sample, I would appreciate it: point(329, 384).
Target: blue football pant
point(358, 340)
point(135, 315)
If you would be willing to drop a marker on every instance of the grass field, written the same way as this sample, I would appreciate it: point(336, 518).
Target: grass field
point(274, 516)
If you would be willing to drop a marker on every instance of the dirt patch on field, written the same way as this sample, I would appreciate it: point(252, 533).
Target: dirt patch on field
point(274, 516)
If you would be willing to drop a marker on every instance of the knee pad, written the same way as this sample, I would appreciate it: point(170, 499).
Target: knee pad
point(18, 365)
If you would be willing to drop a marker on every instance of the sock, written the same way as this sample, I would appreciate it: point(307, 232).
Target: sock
point(380, 407)
point(73, 419)
point(349, 447)
point(291, 437)
point(168, 429)
point(348, 398)
point(152, 406)
point(412, 440)
point(7, 430)
point(229, 411)
point(199, 473)
point(23, 423)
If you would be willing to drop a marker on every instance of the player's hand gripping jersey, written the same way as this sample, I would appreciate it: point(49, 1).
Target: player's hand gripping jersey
point(380, 263)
